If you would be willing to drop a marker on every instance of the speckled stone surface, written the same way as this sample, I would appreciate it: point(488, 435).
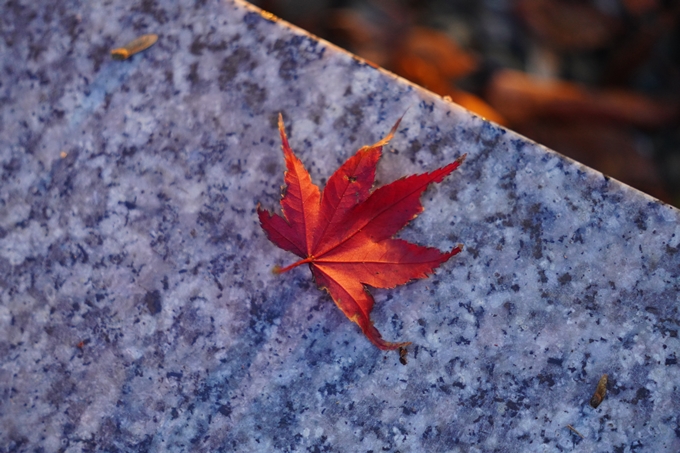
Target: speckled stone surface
point(138, 311)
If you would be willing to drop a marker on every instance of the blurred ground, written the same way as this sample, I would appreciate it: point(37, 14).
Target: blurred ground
point(597, 80)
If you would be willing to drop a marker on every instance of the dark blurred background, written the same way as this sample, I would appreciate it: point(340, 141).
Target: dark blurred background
point(597, 80)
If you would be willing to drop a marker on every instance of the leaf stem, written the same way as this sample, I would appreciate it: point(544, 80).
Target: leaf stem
point(281, 270)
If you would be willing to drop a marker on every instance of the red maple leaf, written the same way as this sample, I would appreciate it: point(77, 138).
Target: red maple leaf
point(345, 233)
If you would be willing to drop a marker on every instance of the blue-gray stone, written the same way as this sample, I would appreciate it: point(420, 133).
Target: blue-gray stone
point(138, 310)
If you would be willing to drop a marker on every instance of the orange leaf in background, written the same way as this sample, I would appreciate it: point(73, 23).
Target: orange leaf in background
point(345, 232)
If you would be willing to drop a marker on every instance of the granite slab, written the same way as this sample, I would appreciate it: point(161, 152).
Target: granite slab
point(138, 310)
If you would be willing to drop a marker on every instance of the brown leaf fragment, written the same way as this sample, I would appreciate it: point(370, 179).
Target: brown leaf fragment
point(134, 46)
point(600, 392)
point(403, 352)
